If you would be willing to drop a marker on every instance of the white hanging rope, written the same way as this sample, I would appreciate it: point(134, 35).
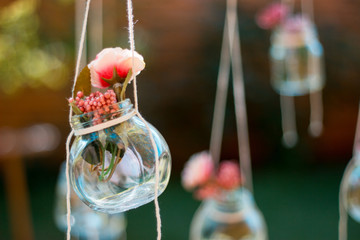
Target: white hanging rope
point(79, 20)
point(231, 52)
point(307, 7)
point(342, 196)
point(316, 113)
point(95, 28)
point(316, 102)
point(240, 103)
point(132, 47)
point(67, 175)
point(81, 44)
point(287, 107)
point(356, 147)
point(220, 98)
point(288, 119)
point(77, 68)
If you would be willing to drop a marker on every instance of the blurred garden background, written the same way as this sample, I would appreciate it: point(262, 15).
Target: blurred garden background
point(296, 189)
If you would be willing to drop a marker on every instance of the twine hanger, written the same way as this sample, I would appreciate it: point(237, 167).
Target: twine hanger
point(77, 69)
point(231, 54)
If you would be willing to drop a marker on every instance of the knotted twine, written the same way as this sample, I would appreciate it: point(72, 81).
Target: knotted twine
point(231, 54)
point(111, 122)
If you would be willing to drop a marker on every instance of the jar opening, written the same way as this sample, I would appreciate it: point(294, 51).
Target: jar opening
point(101, 115)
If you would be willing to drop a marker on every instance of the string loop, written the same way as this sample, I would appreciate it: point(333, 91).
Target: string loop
point(231, 54)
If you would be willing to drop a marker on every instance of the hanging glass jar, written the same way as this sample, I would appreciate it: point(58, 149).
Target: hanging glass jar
point(86, 223)
point(232, 215)
point(296, 57)
point(351, 196)
point(113, 169)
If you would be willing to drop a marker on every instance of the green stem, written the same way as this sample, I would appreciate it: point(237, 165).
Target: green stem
point(75, 109)
point(118, 90)
point(101, 177)
point(118, 159)
point(126, 82)
point(112, 160)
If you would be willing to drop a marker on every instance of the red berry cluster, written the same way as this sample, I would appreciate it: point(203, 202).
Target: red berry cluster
point(95, 101)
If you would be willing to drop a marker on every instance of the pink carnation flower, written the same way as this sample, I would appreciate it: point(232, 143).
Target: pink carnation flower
point(228, 176)
point(113, 58)
point(198, 170)
point(272, 15)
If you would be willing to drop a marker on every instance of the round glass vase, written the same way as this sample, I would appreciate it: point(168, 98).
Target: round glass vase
point(231, 216)
point(85, 222)
point(296, 57)
point(113, 169)
point(351, 197)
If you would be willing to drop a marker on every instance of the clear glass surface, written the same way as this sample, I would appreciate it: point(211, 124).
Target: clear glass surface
point(352, 189)
point(86, 224)
point(233, 217)
point(113, 170)
point(296, 61)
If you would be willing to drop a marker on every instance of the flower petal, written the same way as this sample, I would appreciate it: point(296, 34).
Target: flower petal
point(124, 66)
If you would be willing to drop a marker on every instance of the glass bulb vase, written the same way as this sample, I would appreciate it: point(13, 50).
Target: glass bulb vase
point(231, 216)
point(296, 60)
point(113, 169)
point(351, 195)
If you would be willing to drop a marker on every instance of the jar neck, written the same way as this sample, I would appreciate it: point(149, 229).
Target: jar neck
point(101, 115)
point(236, 200)
point(294, 38)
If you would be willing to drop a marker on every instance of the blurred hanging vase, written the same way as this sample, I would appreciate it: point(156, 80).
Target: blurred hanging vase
point(351, 184)
point(86, 223)
point(232, 215)
point(296, 57)
point(113, 169)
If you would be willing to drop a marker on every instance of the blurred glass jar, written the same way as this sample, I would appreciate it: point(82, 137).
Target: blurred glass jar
point(296, 57)
point(232, 216)
point(351, 197)
point(86, 224)
point(113, 170)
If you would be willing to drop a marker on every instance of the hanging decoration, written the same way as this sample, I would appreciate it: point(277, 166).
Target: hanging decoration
point(86, 223)
point(112, 165)
point(349, 195)
point(117, 160)
point(228, 210)
point(296, 57)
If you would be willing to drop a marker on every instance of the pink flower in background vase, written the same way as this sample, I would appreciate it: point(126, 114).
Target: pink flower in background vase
point(228, 176)
point(272, 15)
point(198, 170)
point(111, 63)
point(207, 191)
